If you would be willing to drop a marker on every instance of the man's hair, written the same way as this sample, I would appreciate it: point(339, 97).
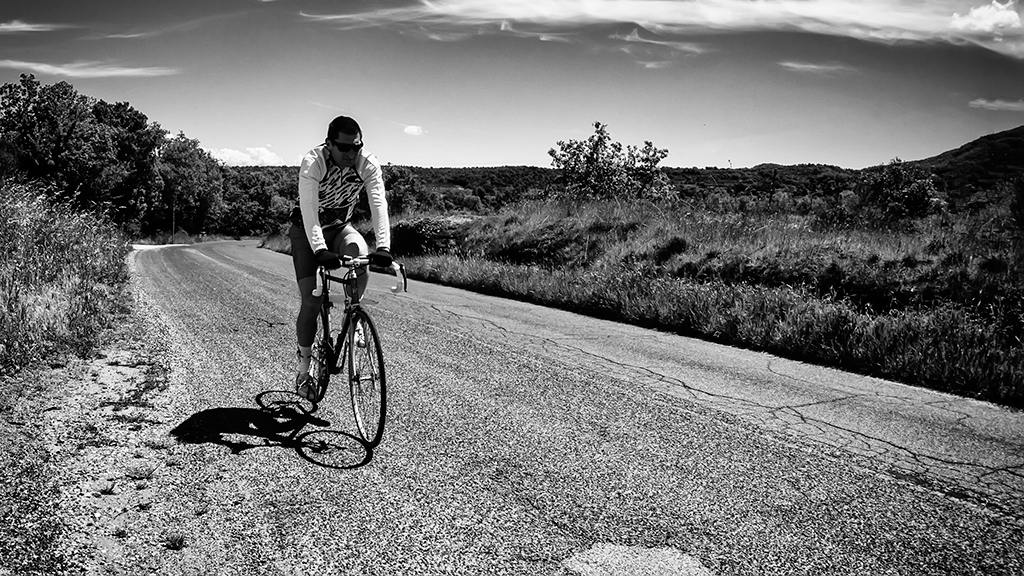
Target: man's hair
point(343, 124)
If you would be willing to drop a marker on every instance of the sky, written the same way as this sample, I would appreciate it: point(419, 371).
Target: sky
point(460, 83)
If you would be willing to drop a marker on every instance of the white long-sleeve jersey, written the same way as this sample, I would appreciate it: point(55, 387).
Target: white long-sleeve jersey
point(328, 195)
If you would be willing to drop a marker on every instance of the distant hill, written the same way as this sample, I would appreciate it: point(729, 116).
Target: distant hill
point(968, 173)
point(980, 164)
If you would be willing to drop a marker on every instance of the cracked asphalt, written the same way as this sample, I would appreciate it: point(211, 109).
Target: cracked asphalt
point(521, 437)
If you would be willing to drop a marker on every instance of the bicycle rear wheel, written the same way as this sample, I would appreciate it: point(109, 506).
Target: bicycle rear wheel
point(364, 358)
point(322, 356)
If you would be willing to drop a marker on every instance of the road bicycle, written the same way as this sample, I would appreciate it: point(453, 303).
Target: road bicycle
point(354, 350)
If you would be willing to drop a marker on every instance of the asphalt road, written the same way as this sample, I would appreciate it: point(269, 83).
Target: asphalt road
point(524, 440)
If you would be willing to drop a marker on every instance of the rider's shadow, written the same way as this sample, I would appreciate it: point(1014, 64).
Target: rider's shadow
point(279, 421)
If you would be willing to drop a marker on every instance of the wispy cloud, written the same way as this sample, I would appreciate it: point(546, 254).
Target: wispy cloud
point(149, 34)
point(817, 68)
point(998, 105)
point(328, 106)
point(684, 47)
point(440, 35)
point(996, 25)
point(179, 27)
point(507, 27)
point(17, 27)
point(257, 156)
point(86, 69)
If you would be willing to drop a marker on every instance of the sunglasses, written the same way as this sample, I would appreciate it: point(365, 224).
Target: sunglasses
point(345, 148)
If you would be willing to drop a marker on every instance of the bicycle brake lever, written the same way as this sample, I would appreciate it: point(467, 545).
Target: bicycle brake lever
point(403, 284)
point(319, 283)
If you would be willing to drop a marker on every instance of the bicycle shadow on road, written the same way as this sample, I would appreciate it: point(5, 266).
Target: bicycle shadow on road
point(279, 421)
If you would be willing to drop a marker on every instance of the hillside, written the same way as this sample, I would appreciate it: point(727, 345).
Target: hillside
point(980, 164)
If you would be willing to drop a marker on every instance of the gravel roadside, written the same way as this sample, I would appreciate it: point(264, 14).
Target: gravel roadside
point(82, 451)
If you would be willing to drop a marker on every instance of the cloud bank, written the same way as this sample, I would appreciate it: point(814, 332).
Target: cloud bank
point(995, 26)
point(259, 156)
point(86, 69)
point(993, 18)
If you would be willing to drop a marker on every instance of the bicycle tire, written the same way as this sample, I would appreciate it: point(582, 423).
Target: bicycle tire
point(366, 378)
point(322, 356)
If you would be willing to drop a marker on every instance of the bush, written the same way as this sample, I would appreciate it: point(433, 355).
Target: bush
point(1017, 205)
point(598, 169)
point(900, 192)
point(425, 235)
point(62, 275)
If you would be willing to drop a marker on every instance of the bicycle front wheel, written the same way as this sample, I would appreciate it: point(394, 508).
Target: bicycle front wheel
point(367, 384)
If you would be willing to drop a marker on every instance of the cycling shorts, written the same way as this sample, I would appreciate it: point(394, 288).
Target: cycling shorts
point(340, 240)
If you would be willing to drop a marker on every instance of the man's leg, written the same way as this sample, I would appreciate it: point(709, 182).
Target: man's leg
point(352, 243)
point(305, 273)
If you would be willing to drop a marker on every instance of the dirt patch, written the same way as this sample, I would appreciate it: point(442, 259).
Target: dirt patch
point(85, 448)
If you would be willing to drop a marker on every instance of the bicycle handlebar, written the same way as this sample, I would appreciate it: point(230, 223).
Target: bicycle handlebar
point(353, 262)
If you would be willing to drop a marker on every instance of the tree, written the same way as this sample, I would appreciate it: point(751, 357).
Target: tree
point(192, 195)
point(130, 181)
point(403, 187)
point(40, 124)
point(597, 168)
point(98, 156)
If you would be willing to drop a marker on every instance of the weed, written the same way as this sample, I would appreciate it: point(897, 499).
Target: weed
point(141, 472)
point(161, 443)
point(133, 418)
point(174, 541)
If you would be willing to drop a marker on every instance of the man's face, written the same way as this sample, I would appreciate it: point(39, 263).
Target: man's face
point(345, 148)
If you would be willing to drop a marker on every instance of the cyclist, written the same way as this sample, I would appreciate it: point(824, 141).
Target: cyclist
point(331, 177)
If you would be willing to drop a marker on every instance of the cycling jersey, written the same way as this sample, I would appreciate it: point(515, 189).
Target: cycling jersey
point(328, 195)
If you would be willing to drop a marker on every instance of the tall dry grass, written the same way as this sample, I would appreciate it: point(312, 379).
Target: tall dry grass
point(938, 303)
point(62, 277)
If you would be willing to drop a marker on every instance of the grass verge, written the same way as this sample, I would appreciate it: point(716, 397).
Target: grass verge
point(941, 349)
point(62, 278)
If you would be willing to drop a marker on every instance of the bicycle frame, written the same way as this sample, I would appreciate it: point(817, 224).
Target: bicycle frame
point(351, 264)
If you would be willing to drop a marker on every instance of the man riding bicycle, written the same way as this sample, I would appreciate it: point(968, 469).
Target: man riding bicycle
point(331, 177)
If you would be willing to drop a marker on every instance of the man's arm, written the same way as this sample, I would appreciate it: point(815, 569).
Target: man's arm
point(310, 173)
point(373, 176)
